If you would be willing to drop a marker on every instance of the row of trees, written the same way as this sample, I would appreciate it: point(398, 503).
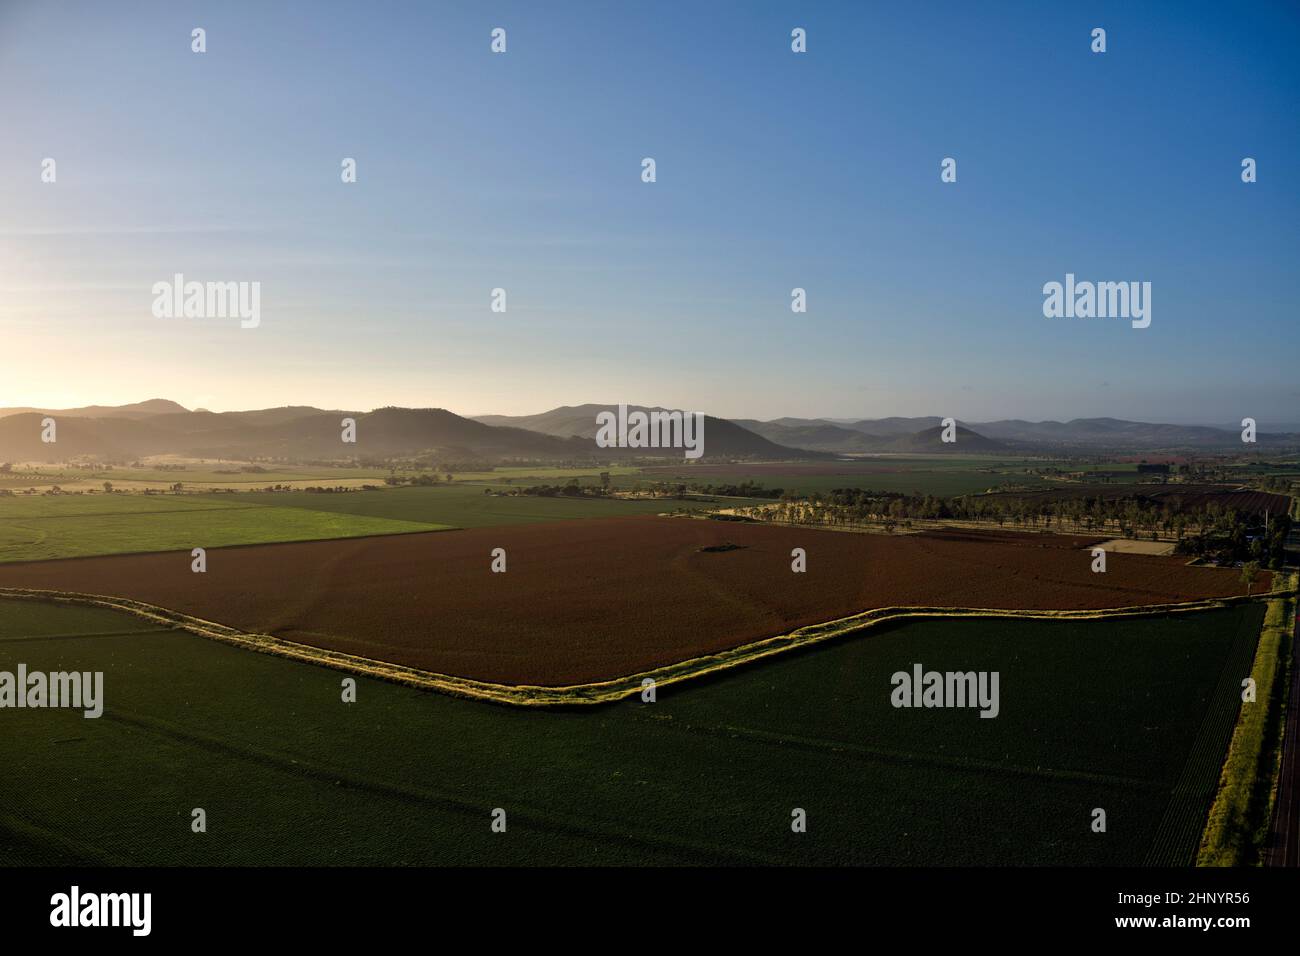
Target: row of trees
point(573, 489)
point(1209, 530)
point(421, 480)
point(746, 489)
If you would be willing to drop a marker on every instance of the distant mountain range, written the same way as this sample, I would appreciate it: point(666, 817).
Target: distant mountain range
point(160, 427)
point(867, 437)
point(296, 432)
point(154, 406)
point(722, 438)
point(923, 434)
point(1077, 435)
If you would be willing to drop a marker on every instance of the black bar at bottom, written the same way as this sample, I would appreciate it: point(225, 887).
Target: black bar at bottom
point(578, 906)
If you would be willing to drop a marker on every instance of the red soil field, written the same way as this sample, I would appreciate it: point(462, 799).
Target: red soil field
point(596, 599)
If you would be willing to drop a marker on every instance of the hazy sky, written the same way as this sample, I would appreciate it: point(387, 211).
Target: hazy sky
point(775, 170)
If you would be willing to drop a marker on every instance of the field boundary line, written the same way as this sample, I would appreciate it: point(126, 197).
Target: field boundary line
point(425, 528)
point(1240, 819)
point(1183, 822)
point(950, 762)
point(619, 688)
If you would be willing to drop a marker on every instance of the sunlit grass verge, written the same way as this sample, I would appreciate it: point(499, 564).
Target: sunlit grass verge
point(1238, 823)
point(600, 692)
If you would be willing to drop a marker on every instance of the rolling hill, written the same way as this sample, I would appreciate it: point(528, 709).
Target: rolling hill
point(722, 437)
point(162, 427)
point(311, 434)
point(891, 435)
point(1080, 434)
point(305, 432)
point(819, 436)
point(154, 406)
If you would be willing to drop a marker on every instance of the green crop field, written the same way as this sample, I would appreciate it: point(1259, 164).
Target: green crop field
point(1092, 714)
point(39, 527)
point(64, 526)
point(228, 474)
point(202, 474)
point(463, 505)
point(40, 507)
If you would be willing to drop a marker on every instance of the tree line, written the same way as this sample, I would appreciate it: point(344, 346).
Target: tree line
point(1207, 530)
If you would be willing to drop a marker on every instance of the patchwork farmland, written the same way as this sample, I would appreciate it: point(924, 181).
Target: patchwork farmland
point(580, 433)
point(595, 600)
point(42, 527)
point(773, 686)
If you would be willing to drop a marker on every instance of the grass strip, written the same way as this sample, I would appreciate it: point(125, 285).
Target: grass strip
point(599, 692)
point(1238, 822)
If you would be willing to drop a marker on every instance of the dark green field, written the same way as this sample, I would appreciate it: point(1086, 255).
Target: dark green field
point(41, 527)
point(933, 475)
point(466, 505)
point(1104, 714)
point(66, 526)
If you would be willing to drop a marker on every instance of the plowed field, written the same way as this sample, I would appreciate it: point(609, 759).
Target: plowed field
point(590, 600)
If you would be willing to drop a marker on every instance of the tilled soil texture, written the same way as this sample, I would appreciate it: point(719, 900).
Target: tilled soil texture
point(593, 600)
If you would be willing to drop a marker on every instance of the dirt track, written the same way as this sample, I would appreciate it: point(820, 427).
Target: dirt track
point(591, 600)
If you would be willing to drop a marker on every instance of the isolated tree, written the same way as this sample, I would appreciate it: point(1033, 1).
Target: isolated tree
point(108, 487)
point(1248, 572)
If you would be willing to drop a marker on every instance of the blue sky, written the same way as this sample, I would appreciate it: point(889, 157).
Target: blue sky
point(775, 170)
